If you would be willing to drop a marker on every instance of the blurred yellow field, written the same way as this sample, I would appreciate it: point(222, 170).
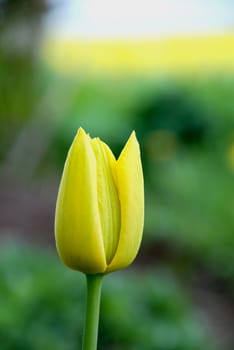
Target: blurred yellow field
point(170, 55)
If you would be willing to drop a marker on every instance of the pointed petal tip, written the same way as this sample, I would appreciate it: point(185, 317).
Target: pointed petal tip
point(133, 136)
point(81, 131)
point(131, 144)
point(81, 134)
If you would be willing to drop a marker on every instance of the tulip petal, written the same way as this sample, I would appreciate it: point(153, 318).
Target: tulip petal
point(108, 201)
point(130, 186)
point(77, 223)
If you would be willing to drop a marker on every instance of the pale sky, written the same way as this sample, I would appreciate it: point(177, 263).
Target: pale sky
point(138, 18)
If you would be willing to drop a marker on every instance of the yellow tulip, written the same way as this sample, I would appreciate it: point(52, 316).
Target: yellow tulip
point(100, 206)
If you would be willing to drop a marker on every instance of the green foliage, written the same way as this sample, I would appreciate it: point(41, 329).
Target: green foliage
point(42, 307)
point(186, 132)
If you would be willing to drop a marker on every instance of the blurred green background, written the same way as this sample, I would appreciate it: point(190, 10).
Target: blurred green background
point(179, 293)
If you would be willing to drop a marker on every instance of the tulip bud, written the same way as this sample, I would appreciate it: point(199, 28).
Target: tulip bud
point(100, 206)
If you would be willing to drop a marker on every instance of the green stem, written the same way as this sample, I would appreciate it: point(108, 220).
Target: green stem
point(93, 297)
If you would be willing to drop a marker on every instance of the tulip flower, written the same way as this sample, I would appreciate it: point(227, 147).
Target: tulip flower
point(99, 215)
point(100, 206)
